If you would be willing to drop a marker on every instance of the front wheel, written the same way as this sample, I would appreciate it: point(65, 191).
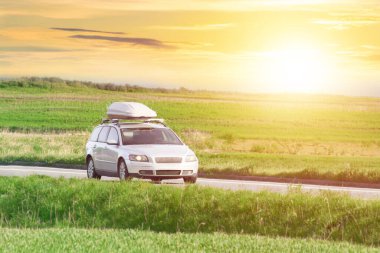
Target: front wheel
point(190, 180)
point(123, 171)
point(91, 173)
point(156, 180)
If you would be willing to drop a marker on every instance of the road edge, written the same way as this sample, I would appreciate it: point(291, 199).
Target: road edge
point(226, 176)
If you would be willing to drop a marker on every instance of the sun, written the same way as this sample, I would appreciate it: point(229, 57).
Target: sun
point(297, 70)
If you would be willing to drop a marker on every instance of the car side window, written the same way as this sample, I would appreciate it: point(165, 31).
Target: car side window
point(95, 134)
point(103, 134)
point(113, 136)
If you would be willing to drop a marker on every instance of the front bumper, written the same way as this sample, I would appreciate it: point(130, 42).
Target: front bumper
point(163, 170)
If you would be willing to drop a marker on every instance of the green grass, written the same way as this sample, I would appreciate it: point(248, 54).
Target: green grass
point(109, 240)
point(60, 107)
point(303, 136)
point(49, 148)
point(42, 202)
point(67, 149)
point(359, 169)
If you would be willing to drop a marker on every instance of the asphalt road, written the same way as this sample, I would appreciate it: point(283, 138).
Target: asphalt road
point(364, 193)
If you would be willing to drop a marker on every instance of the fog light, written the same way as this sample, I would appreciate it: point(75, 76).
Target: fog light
point(187, 172)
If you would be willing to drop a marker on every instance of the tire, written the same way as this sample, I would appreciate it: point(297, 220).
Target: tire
point(123, 171)
point(156, 180)
point(91, 173)
point(190, 180)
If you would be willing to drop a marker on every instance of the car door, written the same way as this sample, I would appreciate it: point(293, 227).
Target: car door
point(92, 144)
point(110, 152)
point(99, 149)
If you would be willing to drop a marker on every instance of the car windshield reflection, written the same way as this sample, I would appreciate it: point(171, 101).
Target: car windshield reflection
point(147, 136)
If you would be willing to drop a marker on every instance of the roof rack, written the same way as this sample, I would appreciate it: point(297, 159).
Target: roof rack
point(157, 121)
point(114, 121)
point(117, 121)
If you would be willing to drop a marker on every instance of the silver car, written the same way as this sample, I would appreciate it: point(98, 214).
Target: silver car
point(139, 149)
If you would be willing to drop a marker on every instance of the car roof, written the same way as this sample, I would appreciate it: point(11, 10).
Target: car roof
point(127, 125)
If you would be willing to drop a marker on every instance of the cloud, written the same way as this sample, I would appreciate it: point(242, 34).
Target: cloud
point(373, 58)
point(69, 29)
point(48, 9)
point(33, 49)
point(346, 24)
point(5, 63)
point(367, 53)
point(206, 27)
point(129, 40)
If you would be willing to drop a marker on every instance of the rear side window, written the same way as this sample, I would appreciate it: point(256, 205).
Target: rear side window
point(103, 134)
point(113, 135)
point(95, 134)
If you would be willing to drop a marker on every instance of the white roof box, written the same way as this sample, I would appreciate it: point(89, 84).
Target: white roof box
point(130, 110)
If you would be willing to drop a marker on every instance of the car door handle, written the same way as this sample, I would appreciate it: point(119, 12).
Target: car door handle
point(94, 146)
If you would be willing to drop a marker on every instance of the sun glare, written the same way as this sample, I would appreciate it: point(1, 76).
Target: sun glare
point(298, 69)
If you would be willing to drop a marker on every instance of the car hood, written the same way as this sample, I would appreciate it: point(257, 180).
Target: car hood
point(158, 150)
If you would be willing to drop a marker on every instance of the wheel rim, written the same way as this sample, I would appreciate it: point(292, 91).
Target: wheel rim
point(122, 170)
point(90, 169)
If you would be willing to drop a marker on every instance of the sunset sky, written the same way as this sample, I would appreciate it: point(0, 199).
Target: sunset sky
point(239, 45)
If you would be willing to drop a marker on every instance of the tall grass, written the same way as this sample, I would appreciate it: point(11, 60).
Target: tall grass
point(354, 169)
point(41, 202)
point(67, 149)
point(111, 240)
point(49, 148)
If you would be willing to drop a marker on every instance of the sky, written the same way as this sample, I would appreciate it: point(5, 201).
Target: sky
point(273, 46)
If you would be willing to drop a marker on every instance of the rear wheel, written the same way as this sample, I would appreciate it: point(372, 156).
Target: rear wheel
point(123, 171)
point(190, 180)
point(91, 173)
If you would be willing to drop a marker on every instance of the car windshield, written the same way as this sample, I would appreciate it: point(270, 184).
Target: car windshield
point(144, 136)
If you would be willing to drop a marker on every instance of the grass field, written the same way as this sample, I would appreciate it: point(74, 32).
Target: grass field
point(303, 136)
point(109, 240)
point(43, 202)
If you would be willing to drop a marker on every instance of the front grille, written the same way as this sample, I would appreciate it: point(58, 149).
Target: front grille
point(168, 172)
point(168, 159)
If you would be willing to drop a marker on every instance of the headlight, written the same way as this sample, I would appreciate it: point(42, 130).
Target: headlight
point(138, 158)
point(191, 158)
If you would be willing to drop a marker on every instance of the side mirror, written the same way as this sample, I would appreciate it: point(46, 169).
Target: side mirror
point(112, 142)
